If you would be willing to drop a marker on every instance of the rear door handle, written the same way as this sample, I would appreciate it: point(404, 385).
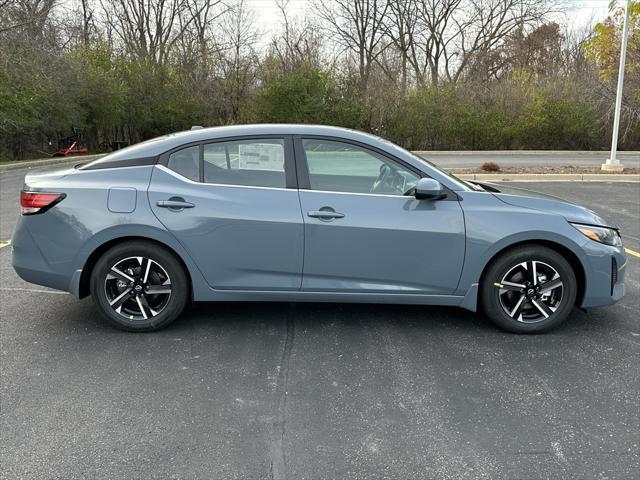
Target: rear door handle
point(325, 214)
point(174, 203)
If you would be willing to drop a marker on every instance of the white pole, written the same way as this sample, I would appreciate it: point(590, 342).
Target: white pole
point(613, 163)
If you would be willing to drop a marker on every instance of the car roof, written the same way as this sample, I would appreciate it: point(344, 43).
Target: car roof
point(267, 129)
point(149, 150)
point(159, 145)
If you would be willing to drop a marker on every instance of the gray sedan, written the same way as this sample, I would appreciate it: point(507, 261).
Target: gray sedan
point(305, 213)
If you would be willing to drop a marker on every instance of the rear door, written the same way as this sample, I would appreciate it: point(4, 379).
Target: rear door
point(234, 206)
point(365, 231)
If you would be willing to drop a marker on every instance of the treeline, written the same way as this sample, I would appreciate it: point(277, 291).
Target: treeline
point(427, 74)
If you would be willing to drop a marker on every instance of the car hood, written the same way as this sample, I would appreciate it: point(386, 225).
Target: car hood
point(521, 197)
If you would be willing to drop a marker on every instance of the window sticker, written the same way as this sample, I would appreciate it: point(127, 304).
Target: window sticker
point(261, 156)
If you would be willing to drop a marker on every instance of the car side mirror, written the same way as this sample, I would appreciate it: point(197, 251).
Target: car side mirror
point(429, 189)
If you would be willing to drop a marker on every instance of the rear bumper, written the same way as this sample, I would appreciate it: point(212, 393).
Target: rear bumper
point(30, 264)
point(604, 275)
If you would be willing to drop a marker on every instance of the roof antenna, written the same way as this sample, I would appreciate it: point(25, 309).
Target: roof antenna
point(197, 127)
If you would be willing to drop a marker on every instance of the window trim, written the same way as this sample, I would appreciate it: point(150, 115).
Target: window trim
point(291, 180)
point(201, 163)
point(226, 185)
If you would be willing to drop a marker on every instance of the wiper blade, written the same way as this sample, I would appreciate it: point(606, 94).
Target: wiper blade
point(485, 186)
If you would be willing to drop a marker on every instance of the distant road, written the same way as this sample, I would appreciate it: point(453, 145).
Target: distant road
point(448, 159)
point(525, 158)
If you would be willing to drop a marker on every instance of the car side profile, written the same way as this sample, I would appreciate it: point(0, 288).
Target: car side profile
point(305, 213)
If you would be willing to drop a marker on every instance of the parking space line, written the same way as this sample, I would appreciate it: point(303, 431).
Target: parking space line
point(632, 252)
point(5, 244)
point(32, 290)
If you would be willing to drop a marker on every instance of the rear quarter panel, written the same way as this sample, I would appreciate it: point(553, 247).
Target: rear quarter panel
point(68, 233)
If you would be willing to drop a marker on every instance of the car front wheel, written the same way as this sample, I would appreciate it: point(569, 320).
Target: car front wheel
point(530, 289)
point(139, 286)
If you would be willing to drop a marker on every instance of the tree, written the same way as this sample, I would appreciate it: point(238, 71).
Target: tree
point(299, 42)
point(446, 74)
point(238, 60)
point(100, 92)
point(603, 49)
point(307, 94)
point(149, 30)
point(34, 108)
point(401, 28)
point(538, 53)
point(359, 28)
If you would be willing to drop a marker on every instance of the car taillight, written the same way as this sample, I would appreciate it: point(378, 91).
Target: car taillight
point(38, 202)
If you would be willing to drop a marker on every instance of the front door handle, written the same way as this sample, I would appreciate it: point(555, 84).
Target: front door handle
point(174, 203)
point(325, 214)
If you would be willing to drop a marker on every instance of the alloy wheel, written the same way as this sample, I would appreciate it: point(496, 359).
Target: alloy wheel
point(137, 288)
point(531, 291)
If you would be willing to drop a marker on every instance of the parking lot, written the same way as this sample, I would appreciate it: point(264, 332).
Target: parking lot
point(319, 391)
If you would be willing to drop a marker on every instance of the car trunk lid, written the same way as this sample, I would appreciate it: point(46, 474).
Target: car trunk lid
point(46, 177)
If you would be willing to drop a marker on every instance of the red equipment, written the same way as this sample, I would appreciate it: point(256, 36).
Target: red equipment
point(72, 145)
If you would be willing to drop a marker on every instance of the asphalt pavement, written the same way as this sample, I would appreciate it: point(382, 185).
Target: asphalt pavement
point(319, 391)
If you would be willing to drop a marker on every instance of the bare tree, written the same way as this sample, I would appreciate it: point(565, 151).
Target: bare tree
point(88, 23)
point(443, 39)
point(198, 48)
point(488, 23)
point(149, 30)
point(360, 29)
point(78, 23)
point(401, 25)
point(239, 60)
point(30, 16)
point(299, 41)
point(433, 52)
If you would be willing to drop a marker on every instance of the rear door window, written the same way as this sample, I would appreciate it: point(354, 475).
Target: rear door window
point(251, 163)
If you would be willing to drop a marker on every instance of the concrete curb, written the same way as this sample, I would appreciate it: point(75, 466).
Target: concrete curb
point(502, 153)
point(47, 161)
point(551, 177)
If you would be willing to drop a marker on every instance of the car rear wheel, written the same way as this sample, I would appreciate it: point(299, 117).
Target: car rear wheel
point(530, 289)
point(139, 286)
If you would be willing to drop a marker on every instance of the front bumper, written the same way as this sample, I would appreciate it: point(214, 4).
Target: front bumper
point(605, 269)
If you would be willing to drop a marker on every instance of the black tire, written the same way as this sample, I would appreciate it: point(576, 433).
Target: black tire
point(133, 310)
point(503, 303)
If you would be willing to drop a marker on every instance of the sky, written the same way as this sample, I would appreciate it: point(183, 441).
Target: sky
point(580, 13)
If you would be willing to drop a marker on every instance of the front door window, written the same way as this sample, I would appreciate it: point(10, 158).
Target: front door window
point(343, 167)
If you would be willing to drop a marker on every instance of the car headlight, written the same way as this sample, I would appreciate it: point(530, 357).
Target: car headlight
point(608, 236)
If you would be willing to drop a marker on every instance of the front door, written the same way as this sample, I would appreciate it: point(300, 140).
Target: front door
point(364, 230)
point(234, 206)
